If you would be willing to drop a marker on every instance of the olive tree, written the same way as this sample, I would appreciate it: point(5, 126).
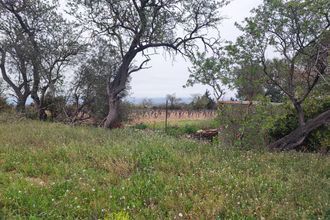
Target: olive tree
point(298, 33)
point(35, 44)
point(228, 68)
point(14, 64)
point(89, 89)
point(212, 71)
point(139, 27)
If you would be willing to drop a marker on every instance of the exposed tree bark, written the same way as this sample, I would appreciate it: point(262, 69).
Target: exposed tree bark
point(297, 137)
point(112, 118)
point(300, 112)
point(114, 89)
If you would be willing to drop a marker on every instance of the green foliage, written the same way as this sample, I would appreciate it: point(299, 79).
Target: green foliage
point(140, 126)
point(298, 31)
point(211, 71)
point(55, 105)
point(125, 109)
point(179, 128)
point(53, 171)
point(285, 123)
point(203, 102)
point(246, 126)
point(178, 131)
point(249, 81)
point(89, 87)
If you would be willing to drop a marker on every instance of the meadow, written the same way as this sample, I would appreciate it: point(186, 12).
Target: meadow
point(55, 171)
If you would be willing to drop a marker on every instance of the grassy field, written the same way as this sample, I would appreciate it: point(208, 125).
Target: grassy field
point(207, 123)
point(53, 171)
point(178, 128)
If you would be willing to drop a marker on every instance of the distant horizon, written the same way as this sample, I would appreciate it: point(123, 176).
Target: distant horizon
point(162, 100)
point(134, 99)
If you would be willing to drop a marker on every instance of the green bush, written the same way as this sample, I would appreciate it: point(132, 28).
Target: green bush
point(178, 131)
point(140, 126)
point(318, 140)
point(190, 129)
point(175, 131)
point(125, 109)
point(258, 125)
point(245, 126)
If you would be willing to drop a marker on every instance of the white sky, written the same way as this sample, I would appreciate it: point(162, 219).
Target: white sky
point(167, 76)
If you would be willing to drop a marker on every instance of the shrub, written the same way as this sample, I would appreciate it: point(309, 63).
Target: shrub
point(30, 112)
point(318, 140)
point(174, 131)
point(55, 106)
point(3, 104)
point(125, 109)
point(140, 126)
point(246, 126)
point(190, 129)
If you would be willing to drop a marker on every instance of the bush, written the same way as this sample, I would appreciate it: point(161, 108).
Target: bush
point(178, 131)
point(3, 104)
point(140, 126)
point(54, 105)
point(246, 126)
point(190, 129)
point(125, 109)
point(318, 140)
point(258, 125)
point(30, 112)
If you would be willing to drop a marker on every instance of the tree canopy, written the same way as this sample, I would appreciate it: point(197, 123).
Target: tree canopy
point(141, 26)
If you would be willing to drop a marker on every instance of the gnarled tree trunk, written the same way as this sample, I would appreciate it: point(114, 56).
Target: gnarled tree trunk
point(112, 118)
point(115, 89)
point(300, 112)
point(297, 137)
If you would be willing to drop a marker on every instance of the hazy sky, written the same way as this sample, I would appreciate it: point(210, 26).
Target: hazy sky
point(167, 76)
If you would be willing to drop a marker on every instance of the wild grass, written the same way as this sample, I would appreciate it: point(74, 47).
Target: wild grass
point(54, 171)
point(180, 128)
point(199, 124)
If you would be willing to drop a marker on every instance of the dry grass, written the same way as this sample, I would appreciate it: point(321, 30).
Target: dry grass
point(156, 116)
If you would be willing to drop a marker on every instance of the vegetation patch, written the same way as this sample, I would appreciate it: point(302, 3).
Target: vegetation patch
point(53, 171)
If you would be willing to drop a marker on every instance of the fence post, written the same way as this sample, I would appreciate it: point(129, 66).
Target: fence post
point(166, 115)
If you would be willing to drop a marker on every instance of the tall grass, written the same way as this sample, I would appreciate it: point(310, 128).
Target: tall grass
point(53, 171)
